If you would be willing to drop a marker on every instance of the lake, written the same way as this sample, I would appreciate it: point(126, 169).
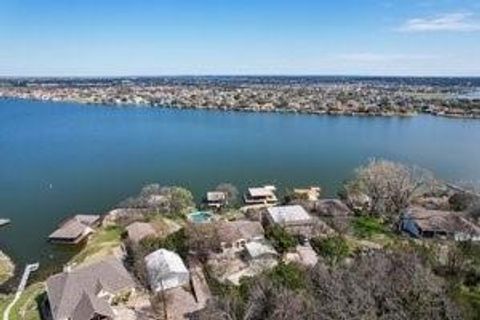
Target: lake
point(60, 159)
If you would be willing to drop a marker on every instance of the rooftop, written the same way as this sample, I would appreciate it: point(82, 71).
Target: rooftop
point(164, 262)
point(332, 207)
point(441, 221)
point(216, 196)
point(257, 249)
point(288, 214)
point(75, 227)
point(76, 294)
point(139, 230)
point(266, 191)
point(232, 231)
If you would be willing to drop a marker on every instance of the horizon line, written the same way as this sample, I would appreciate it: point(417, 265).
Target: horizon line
point(2, 77)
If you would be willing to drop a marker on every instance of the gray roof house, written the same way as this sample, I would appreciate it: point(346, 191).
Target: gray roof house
point(86, 293)
point(166, 270)
point(75, 229)
point(425, 223)
point(332, 208)
point(294, 218)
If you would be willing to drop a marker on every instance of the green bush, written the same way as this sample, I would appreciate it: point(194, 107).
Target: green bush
point(333, 249)
point(290, 276)
point(176, 242)
point(366, 227)
point(281, 240)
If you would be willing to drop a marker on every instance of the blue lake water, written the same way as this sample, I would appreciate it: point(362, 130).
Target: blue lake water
point(59, 159)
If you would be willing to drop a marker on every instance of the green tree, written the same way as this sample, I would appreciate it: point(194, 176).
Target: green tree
point(281, 240)
point(333, 249)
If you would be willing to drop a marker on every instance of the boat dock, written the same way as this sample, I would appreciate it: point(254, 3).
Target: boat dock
point(21, 287)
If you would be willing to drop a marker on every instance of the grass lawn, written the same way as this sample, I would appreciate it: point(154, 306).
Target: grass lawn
point(26, 307)
point(368, 227)
point(102, 243)
point(371, 230)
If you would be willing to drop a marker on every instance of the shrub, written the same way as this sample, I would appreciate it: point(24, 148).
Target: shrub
point(290, 276)
point(334, 249)
point(281, 240)
point(366, 227)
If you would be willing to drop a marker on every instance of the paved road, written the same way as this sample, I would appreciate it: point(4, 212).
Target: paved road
point(21, 287)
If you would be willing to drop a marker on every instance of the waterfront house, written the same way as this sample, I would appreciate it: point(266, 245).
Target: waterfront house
point(87, 293)
point(263, 195)
point(309, 194)
point(424, 223)
point(233, 235)
point(75, 229)
point(138, 231)
point(216, 199)
point(166, 270)
point(293, 218)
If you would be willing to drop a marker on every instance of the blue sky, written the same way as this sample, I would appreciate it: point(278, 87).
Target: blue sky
point(169, 37)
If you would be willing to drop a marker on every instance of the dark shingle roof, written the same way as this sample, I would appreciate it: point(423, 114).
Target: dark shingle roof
point(66, 291)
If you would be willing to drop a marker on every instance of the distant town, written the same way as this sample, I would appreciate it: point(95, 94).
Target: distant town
point(396, 243)
point(368, 96)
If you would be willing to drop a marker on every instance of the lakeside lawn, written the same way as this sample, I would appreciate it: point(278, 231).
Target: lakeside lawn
point(26, 307)
point(102, 243)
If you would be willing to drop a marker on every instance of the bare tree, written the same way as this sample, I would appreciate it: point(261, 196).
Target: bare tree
point(390, 186)
point(202, 239)
point(230, 191)
point(158, 199)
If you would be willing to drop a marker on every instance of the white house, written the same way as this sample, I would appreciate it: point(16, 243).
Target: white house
point(166, 270)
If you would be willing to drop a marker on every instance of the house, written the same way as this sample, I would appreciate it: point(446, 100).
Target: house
point(138, 231)
point(263, 195)
point(184, 303)
point(87, 293)
point(293, 218)
point(233, 235)
point(75, 229)
point(216, 199)
point(425, 223)
point(332, 208)
point(166, 270)
point(309, 194)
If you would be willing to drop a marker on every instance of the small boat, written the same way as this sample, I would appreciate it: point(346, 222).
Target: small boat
point(4, 222)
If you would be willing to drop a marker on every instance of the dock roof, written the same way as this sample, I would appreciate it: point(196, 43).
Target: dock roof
point(260, 192)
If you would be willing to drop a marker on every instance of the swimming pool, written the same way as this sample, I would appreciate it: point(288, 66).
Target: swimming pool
point(200, 217)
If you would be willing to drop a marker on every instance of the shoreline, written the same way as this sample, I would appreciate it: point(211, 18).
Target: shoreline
point(7, 268)
point(252, 110)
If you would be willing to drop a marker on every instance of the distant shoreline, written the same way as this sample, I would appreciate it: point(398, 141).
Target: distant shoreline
point(250, 110)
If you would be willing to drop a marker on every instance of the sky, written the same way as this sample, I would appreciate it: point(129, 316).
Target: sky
point(220, 37)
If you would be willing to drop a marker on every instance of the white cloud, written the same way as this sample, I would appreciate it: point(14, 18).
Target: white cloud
point(368, 57)
point(461, 22)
